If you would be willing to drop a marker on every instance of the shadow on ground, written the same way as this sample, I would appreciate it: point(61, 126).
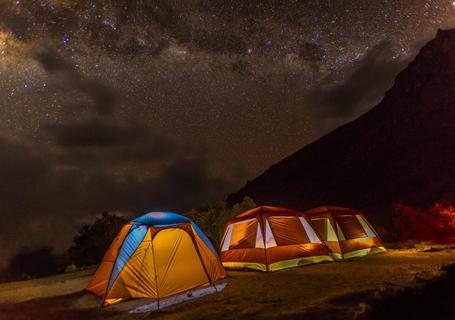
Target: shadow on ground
point(429, 298)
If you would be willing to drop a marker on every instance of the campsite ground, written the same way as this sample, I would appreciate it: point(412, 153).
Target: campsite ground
point(315, 291)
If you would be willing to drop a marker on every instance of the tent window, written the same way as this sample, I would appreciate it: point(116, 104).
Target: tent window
point(269, 239)
point(340, 233)
point(259, 237)
point(310, 231)
point(288, 230)
point(244, 235)
point(320, 225)
point(324, 229)
point(227, 238)
point(351, 227)
point(366, 227)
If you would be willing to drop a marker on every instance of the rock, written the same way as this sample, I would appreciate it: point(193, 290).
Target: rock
point(71, 268)
point(361, 310)
point(425, 276)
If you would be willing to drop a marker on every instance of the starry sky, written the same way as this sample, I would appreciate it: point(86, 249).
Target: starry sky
point(129, 106)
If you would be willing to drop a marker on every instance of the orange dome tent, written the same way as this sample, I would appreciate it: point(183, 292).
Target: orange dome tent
point(155, 256)
point(346, 232)
point(270, 239)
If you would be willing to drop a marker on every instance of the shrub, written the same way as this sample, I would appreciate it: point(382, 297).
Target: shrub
point(92, 241)
point(33, 263)
point(435, 224)
point(211, 218)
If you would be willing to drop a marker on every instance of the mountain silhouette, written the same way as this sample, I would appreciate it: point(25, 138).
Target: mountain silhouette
point(402, 150)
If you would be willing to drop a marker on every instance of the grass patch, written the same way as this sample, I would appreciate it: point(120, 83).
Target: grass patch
point(314, 291)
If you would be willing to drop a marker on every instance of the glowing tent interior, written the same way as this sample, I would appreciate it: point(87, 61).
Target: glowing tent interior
point(270, 239)
point(155, 256)
point(346, 232)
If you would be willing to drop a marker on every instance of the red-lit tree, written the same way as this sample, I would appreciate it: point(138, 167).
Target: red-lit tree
point(435, 224)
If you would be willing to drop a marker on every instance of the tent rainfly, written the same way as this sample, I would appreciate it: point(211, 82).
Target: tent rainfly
point(270, 239)
point(155, 256)
point(346, 232)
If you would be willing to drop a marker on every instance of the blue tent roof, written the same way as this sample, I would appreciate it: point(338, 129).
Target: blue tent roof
point(168, 219)
point(161, 219)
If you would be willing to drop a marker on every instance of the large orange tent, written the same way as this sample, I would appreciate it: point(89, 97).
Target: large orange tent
point(346, 232)
point(155, 256)
point(270, 239)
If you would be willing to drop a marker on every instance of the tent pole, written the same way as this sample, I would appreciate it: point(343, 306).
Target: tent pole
point(143, 259)
point(264, 235)
point(191, 234)
point(310, 222)
point(335, 227)
point(156, 277)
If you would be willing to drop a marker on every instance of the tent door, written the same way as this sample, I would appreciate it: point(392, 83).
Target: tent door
point(177, 264)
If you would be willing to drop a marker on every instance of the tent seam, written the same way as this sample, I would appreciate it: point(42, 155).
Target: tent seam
point(126, 262)
point(113, 265)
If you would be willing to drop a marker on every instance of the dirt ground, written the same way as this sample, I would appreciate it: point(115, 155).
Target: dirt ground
point(288, 294)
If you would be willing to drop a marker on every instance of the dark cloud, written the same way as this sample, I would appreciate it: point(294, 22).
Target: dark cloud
point(365, 85)
point(182, 182)
point(189, 177)
point(177, 185)
point(100, 137)
point(104, 97)
point(96, 162)
point(105, 141)
point(24, 174)
point(21, 166)
point(48, 193)
point(96, 132)
point(310, 52)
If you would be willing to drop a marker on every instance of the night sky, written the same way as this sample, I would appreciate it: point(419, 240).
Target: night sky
point(129, 106)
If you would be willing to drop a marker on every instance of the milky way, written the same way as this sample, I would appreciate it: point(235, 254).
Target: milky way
point(137, 105)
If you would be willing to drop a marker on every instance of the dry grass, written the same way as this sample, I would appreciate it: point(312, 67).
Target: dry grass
point(284, 294)
point(59, 285)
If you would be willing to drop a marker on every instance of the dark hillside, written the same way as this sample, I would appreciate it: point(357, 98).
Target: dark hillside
point(401, 150)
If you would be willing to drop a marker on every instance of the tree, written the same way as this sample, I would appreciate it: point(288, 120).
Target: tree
point(33, 263)
point(92, 241)
point(435, 223)
point(211, 218)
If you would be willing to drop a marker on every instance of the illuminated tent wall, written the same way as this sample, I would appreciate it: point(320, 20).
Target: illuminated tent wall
point(346, 232)
point(270, 239)
point(154, 256)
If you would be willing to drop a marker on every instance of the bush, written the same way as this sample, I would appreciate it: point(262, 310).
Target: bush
point(92, 241)
point(435, 224)
point(211, 218)
point(34, 263)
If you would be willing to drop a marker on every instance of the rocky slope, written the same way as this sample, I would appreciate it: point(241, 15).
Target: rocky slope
point(401, 150)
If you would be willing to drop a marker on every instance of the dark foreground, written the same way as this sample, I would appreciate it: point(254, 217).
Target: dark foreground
point(407, 283)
